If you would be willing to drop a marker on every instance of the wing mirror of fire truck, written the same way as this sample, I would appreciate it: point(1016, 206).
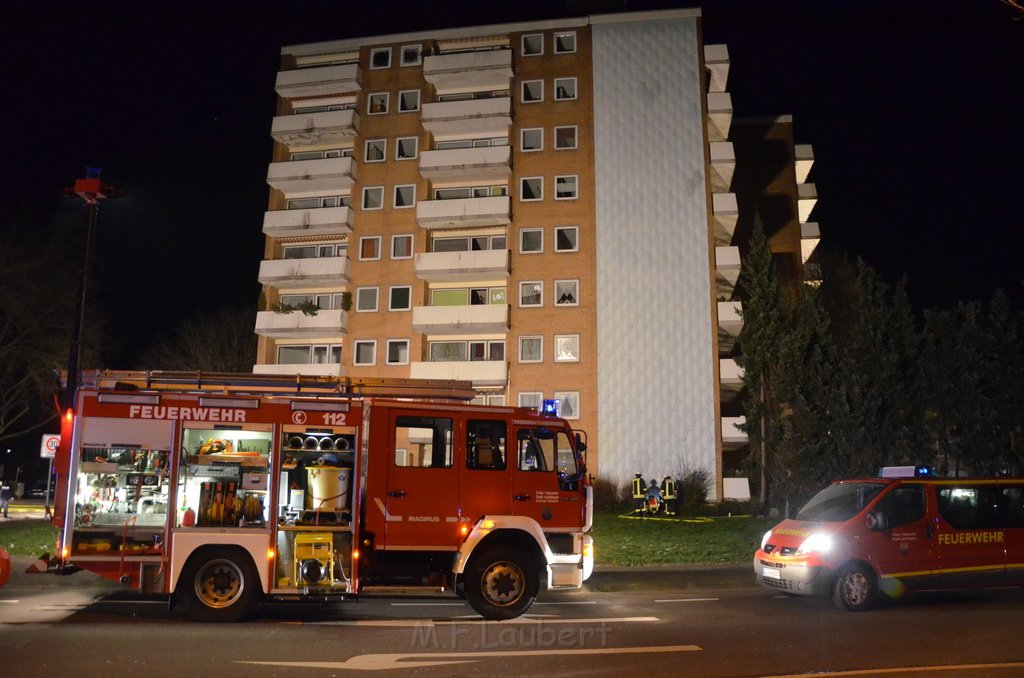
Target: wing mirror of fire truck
point(877, 521)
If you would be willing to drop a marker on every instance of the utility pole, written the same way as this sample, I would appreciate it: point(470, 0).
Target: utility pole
point(91, 189)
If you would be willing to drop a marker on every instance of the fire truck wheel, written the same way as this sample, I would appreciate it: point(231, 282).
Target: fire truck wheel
point(855, 588)
point(218, 585)
point(502, 583)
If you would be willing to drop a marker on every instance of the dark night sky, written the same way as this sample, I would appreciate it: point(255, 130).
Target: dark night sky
point(914, 110)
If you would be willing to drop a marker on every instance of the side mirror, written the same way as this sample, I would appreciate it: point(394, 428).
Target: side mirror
point(877, 521)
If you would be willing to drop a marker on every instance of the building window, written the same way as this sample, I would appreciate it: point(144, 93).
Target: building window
point(400, 298)
point(567, 348)
point(412, 55)
point(565, 187)
point(376, 150)
point(405, 196)
point(531, 189)
point(531, 293)
point(531, 349)
point(317, 354)
point(408, 100)
point(532, 139)
point(565, 138)
point(531, 399)
point(567, 293)
point(401, 247)
point(398, 352)
point(531, 240)
point(533, 91)
point(565, 89)
point(533, 44)
point(565, 42)
point(406, 148)
point(380, 57)
point(364, 352)
point(568, 404)
point(369, 248)
point(377, 103)
point(567, 239)
point(366, 299)
point(373, 198)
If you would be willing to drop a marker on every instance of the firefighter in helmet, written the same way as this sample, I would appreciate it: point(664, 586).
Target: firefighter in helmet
point(668, 493)
point(639, 492)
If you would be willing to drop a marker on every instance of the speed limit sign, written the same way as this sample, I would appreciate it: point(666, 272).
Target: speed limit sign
point(48, 449)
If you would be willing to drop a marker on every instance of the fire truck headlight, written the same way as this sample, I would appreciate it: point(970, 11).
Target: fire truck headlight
point(765, 538)
point(816, 543)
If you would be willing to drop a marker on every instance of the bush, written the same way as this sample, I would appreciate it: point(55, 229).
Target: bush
point(609, 495)
point(693, 486)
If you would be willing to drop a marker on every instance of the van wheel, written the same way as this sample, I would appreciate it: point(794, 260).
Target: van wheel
point(502, 583)
point(218, 585)
point(855, 588)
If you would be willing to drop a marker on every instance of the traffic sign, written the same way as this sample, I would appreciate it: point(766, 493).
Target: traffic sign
point(48, 448)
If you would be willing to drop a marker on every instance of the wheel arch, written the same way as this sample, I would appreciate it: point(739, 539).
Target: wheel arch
point(520, 532)
point(187, 546)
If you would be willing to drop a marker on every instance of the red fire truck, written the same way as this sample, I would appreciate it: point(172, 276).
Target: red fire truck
point(222, 490)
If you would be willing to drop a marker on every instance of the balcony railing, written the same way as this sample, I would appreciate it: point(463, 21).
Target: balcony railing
point(716, 59)
point(326, 323)
point(810, 236)
point(306, 82)
point(325, 174)
point(312, 129)
point(319, 273)
point(727, 270)
point(723, 165)
point(308, 222)
point(487, 164)
point(719, 115)
point(469, 71)
point(464, 212)
point(806, 199)
point(483, 373)
point(732, 437)
point(730, 317)
point(475, 319)
point(726, 212)
point(462, 266)
point(480, 117)
point(803, 156)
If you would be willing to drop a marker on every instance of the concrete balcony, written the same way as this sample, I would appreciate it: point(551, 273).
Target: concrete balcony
point(320, 273)
point(487, 164)
point(803, 157)
point(462, 266)
point(469, 71)
point(723, 165)
point(730, 376)
point(716, 61)
point(478, 117)
point(726, 212)
point(298, 325)
point(326, 128)
point(307, 82)
point(318, 370)
point(730, 317)
point(483, 373)
point(719, 115)
point(810, 236)
point(732, 437)
point(806, 199)
point(309, 176)
point(308, 222)
point(727, 271)
point(464, 212)
point(480, 319)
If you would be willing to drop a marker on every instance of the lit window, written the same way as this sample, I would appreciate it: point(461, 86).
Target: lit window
point(406, 148)
point(531, 399)
point(405, 196)
point(533, 91)
point(565, 187)
point(412, 55)
point(369, 248)
point(567, 292)
point(531, 240)
point(568, 404)
point(366, 299)
point(373, 198)
point(364, 352)
point(398, 351)
point(567, 348)
point(377, 103)
point(567, 239)
point(531, 293)
point(380, 57)
point(376, 150)
point(565, 42)
point(400, 298)
point(531, 189)
point(532, 139)
point(533, 44)
point(565, 138)
point(531, 349)
point(408, 100)
point(401, 247)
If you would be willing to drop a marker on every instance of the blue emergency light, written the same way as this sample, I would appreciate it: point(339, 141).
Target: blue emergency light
point(549, 407)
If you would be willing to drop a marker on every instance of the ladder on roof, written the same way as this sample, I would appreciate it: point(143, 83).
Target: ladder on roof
point(263, 384)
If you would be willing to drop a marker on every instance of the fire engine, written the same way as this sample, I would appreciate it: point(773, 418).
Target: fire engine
point(224, 490)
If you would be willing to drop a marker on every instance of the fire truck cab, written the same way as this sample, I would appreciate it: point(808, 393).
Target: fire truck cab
point(224, 490)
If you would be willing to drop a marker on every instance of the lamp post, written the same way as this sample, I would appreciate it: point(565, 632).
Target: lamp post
point(91, 189)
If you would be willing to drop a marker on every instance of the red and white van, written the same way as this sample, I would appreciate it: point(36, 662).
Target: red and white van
point(857, 539)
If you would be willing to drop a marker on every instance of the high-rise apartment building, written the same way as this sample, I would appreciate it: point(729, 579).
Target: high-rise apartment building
point(543, 209)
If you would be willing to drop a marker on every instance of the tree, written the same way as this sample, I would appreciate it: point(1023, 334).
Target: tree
point(222, 341)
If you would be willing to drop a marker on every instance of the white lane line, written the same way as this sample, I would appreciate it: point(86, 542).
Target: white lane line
point(428, 604)
point(686, 600)
point(431, 623)
point(10, 601)
point(131, 602)
point(572, 602)
point(939, 668)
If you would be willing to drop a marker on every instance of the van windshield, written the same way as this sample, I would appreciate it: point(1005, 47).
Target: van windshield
point(840, 502)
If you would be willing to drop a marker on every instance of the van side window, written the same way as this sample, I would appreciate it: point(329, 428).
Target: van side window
point(903, 505)
point(485, 444)
point(423, 442)
point(532, 455)
point(971, 508)
point(1011, 507)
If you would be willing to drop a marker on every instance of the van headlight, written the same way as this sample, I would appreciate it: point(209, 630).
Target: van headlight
point(765, 538)
point(816, 543)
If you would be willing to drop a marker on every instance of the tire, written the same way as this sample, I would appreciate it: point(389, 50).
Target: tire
point(502, 583)
point(855, 588)
point(218, 585)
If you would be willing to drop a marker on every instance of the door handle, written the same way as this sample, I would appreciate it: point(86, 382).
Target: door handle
point(522, 497)
point(396, 493)
point(929, 531)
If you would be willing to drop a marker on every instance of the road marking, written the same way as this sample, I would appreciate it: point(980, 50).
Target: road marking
point(132, 602)
point(570, 602)
point(430, 623)
point(907, 669)
point(428, 604)
point(386, 662)
point(10, 601)
point(685, 600)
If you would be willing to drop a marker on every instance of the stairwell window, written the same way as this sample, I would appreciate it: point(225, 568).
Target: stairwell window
point(533, 91)
point(364, 352)
point(376, 150)
point(531, 189)
point(565, 187)
point(565, 89)
point(380, 57)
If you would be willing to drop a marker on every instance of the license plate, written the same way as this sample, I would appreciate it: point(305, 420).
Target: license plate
point(771, 573)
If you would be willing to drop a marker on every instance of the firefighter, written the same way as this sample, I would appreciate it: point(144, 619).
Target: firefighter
point(668, 493)
point(639, 492)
